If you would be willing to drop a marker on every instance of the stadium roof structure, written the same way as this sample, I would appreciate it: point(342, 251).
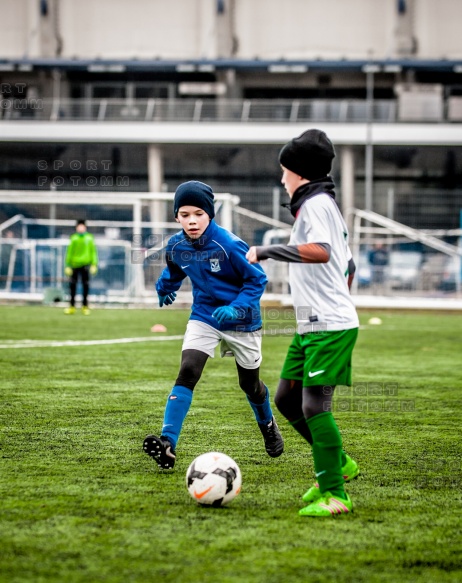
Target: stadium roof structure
point(415, 133)
point(211, 65)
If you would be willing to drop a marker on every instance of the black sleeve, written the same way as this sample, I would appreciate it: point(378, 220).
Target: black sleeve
point(307, 253)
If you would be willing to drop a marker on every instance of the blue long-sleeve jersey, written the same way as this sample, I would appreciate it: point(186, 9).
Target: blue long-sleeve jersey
point(220, 276)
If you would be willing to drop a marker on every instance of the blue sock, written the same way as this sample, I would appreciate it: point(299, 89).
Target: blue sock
point(263, 412)
point(176, 409)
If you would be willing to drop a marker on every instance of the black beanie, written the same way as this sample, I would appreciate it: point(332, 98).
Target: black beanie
point(309, 155)
point(194, 193)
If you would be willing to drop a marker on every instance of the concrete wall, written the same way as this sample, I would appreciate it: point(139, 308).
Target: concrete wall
point(14, 41)
point(185, 29)
point(168, 29)
point(298, 29)
point(438, 24)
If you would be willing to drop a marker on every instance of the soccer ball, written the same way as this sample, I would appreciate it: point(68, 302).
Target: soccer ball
point(213, 479)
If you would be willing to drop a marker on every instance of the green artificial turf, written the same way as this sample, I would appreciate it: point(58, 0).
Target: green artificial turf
point(81, 502)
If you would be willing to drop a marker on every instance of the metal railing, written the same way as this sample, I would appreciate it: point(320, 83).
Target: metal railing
point(410, 270)
point(200, 110)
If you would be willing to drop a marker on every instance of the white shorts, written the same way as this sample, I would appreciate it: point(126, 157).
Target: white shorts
point(244, 346)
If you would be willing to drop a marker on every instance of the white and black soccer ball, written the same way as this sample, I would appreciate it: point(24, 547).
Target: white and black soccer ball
point(213, 479)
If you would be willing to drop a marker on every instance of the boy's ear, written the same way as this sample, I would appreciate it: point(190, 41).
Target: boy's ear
point(176, 219)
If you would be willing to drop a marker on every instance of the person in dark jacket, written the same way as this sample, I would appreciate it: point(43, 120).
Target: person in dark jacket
point(225, 311)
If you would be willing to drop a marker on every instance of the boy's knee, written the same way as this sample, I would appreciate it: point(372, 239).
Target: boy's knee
point(309, 410)
point(279, 401)
point(250, 383)
point(317, 401)
point(192, 365)
point(285, 404)
point(284, 398)
point(188, 376)
point(255, 391)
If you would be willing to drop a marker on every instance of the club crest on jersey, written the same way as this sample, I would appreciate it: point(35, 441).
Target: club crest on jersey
point(215, 265)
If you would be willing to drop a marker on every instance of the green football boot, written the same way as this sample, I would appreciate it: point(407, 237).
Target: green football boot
point(327, 505)
point(350, 471)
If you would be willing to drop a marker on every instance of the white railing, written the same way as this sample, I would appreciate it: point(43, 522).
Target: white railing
point(228, 110)
point(370, 227)
point(201, 110)
point(421, 263)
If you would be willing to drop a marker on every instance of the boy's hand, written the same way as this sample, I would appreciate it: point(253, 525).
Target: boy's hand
point(251, 255)
point(93, 270)
point(167, 299)
point(68, 271)
point(225, 313)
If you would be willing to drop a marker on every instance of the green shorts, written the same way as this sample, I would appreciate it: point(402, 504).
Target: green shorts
point(321, 358)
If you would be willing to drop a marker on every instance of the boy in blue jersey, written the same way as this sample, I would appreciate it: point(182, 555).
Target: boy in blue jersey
point(225, 311)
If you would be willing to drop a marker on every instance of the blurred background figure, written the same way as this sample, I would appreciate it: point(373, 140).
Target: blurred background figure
point(378, 258)
point(81, 262)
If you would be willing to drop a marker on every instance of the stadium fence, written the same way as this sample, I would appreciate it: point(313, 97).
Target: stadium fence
point(131, 231)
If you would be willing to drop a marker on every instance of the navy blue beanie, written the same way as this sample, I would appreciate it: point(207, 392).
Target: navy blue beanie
point(194, 193)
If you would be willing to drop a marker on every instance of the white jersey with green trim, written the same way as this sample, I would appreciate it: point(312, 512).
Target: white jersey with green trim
point(320, 293)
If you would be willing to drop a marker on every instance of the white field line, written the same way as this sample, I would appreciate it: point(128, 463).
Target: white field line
point(57, 343)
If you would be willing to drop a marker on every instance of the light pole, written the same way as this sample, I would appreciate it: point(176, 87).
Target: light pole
point(370, 70)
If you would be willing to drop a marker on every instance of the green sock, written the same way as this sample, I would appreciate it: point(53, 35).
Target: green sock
point(327, 453)
point(301, 427)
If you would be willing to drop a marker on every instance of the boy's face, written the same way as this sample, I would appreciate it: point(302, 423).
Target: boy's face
point(291, 181)
point(81, 228)
point(193, 220)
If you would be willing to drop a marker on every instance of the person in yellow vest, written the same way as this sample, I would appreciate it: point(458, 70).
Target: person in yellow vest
point(81, 262)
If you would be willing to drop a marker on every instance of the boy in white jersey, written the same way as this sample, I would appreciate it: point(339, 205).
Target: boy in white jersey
point(320, 273)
